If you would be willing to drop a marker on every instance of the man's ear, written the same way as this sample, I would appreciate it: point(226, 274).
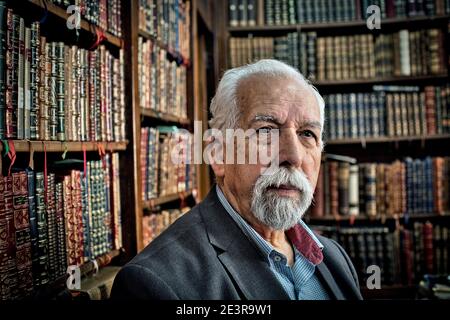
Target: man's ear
point(214, 152)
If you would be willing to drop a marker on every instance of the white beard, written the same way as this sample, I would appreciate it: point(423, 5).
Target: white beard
point(281, 213)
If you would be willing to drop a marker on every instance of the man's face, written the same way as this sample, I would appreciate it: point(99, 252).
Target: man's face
point(269, 103)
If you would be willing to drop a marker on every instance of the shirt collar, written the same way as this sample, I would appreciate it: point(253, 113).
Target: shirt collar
point(301, 236)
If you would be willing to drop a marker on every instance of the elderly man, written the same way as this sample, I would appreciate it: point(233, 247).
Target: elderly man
point(246, 239)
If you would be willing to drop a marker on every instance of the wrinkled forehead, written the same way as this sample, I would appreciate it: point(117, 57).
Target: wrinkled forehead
point(257, 94)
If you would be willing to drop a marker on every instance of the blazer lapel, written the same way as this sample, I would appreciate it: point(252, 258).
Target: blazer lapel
point(241, 259)
point(328, 280)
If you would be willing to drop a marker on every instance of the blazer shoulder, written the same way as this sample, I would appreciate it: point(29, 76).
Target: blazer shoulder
point(135, 281)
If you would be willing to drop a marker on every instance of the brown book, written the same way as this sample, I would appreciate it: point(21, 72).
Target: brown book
point(343, 187)
point(428, 247)
point(22, 234)
point(334, 193)
point(317, 208)
point(8, 270)
point(438, 185)
point(430, 110)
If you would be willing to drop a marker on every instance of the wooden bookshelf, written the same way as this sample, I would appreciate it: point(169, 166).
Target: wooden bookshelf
point(390, 292)
point(55, 287)
point(388, 139)
point(172, 53)
point(85, 25)
point(166, 199)
point(364, 218)
point(60, 146)
point(164, 117)
point(357, 24)
point(404, 80)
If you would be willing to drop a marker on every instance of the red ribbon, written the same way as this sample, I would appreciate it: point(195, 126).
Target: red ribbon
point(100, 37)
point(11, 155)
point(45, 173)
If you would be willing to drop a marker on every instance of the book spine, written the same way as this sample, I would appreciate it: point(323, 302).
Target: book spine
point(27, 84)
point(22, 234)
point(8, 274)
point(3, 67)
point(20, 79)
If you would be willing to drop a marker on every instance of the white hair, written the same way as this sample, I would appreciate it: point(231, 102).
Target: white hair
point(224, 107)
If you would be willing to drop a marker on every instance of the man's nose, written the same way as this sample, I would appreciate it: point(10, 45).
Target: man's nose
point(291, 150)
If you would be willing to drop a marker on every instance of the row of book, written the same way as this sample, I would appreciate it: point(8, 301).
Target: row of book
point(166, 167)
point(296, 49)
point(52, 91)
point(155, 223)
point(162, 83)
point(291, 12)
point(390, 111)
point(361, 56)
point(168, 21)
point(411, 186)
point(49, 221)
point(105, 14)
point(403, 254)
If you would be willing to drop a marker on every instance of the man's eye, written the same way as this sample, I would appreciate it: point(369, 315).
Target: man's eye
point(264, 130)
point(307, 134)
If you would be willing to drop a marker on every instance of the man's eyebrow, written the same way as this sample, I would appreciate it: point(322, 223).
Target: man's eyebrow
point(266, 118)
point(312, 124)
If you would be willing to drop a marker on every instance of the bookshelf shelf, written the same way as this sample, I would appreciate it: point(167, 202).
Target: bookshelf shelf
point(376, 218)
point(165, 199)
point(58, 146)
point(61, 13)
point(164, 117)
point(52, 289)
point(393, 80)
point(173, 54)
point(333, 25)
point(388, 139)
point(396, 291)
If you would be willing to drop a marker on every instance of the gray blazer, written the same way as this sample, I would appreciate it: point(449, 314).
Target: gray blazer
point(205, 255)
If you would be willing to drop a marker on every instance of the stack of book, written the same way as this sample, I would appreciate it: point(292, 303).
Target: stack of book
point(49, 222)
point(291, 12)
point(388, 111)
point(412, 186)
point(162, 85)
point(403, 254)
point(402, 53)
point(166, 162)
point(52, 91)
point(105, 14)
point(155, 223)
point(167, 21)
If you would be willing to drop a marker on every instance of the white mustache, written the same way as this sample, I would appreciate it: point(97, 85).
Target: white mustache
point(284, 176)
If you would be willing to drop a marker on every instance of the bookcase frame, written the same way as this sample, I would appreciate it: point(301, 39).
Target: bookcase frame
point(196, 111)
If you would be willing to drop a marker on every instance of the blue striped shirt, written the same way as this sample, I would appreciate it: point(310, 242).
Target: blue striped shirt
point(299, 281)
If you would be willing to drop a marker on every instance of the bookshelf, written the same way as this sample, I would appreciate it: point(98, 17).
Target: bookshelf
point(245, 40)
point(166, 199)
point(108, 153)
point(164, 117)
point(61, 146)
point(391, 22)
point(147, 114)
point(62, 14)
point(442, 137)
